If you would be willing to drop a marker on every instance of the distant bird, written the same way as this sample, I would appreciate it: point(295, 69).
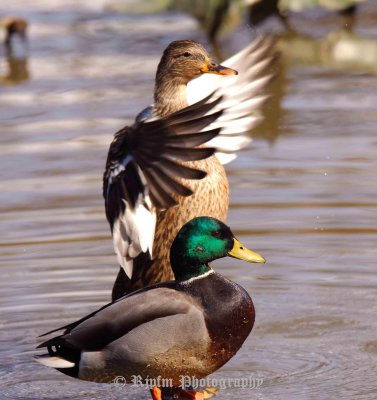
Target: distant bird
point(16, 50)
point(15, 28)
point(188, 328)
point(150, 189)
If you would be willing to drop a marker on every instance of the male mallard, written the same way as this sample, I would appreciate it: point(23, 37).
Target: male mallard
point(144, 223)
point(189, 327)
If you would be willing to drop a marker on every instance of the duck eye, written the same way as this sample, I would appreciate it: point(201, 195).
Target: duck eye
point(216, 234)
point(186, 54)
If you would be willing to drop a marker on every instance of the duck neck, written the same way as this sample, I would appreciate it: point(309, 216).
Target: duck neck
point(189, 272)
point(169, 95)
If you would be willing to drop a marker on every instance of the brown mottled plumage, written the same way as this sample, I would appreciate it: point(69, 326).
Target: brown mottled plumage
point(170, 96)
point(181, 62)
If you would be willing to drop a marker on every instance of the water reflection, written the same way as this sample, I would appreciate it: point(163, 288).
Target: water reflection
point(219, 17)
point(17, 71)
point(260, 10)
point(340, 49)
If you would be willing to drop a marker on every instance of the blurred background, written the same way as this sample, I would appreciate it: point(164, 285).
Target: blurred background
point(303, 193)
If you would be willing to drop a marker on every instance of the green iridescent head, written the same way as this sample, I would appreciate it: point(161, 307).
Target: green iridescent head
point(201, 241)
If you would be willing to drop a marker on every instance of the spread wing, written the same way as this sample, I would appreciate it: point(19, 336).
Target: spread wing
point(243, 95)
point(142, 163)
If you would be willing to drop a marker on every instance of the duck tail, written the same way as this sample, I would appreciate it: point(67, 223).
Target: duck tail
point(54, 361)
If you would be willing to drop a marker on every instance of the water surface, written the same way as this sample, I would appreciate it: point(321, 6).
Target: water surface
point(303, 195)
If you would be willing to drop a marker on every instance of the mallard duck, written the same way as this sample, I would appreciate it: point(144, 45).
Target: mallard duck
point(188, 327)
point(144, 222)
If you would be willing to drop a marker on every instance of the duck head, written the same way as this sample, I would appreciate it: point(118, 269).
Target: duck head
point(182, 61)
point(186, 59)
point(201, 241)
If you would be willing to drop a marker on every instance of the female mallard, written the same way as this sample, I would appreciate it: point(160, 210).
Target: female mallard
point(189, 327)
point(143, 222)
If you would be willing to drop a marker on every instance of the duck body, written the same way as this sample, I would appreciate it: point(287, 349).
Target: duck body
point(189, 327)
point(207, 194)
point(195, 329)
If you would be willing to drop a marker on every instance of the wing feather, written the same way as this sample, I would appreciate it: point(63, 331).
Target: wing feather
point(181, 171)
point(141, 170)
point(100, 328)
point(243, 95)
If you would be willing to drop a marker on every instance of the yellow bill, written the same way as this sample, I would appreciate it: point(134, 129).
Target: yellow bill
point(243, 253)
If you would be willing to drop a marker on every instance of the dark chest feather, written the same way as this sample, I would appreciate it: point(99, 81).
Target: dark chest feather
point(229, 312)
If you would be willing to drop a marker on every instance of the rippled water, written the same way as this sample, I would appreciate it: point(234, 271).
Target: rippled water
point(303, 194)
